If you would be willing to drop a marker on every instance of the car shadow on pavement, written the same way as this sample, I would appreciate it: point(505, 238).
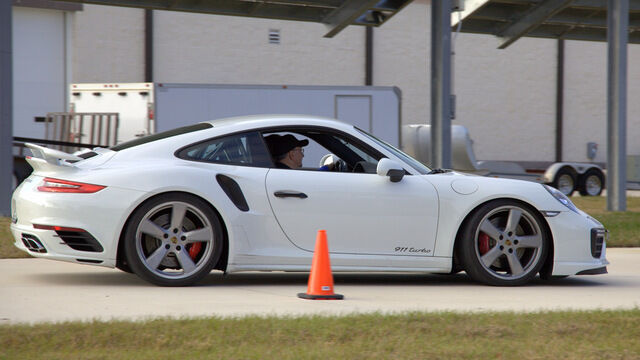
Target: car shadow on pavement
point(375, 279)
point(216, 278)
point(114, 278)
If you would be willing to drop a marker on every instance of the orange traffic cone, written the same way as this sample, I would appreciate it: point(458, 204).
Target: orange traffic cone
point(320, 279)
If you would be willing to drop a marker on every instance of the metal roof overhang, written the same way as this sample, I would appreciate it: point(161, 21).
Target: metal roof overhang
point(557, 19)
point(336, 14)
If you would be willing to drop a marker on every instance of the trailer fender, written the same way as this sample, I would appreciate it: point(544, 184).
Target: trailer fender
point(578, 169)
point(578, 172)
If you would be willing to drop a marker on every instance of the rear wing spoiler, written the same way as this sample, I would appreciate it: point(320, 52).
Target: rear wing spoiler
point(48, 160)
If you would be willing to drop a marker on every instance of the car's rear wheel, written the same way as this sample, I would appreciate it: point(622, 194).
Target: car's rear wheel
point(504, 243)
point(173, 240)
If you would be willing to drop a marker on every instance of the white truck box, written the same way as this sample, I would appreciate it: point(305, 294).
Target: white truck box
point(146, 108)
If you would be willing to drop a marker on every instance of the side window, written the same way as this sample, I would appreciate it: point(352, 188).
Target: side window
point(241, 149)
point(348, 154)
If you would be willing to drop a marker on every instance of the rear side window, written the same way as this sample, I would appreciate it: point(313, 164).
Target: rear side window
point(241, 149)
point(162, 135)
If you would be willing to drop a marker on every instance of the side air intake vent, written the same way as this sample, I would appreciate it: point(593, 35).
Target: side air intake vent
point(598, 237)
point(80, 240)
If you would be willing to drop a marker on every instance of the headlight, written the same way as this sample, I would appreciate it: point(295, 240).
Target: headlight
point(562, 198)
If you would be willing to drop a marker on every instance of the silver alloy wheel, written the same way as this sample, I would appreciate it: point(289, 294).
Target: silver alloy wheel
point(565, 184)
point(166, 235)
point(514, 242)
point(593, 185)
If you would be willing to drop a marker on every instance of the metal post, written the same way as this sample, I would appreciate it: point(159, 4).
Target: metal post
point(6, 110)
point(617, 37)
point(368, 63)
point(441, 84)
point(559, 100)
point(148, 45)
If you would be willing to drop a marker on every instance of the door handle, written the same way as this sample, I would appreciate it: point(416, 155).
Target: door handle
point(285, 194)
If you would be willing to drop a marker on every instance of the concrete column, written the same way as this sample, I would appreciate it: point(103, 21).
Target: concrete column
point(617, 37)
point(6, 109)
point(441, 84)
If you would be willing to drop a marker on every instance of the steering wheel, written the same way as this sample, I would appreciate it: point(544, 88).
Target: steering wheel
point(334, 163)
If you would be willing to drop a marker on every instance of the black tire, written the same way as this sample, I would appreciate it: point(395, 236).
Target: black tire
point(123, 266)
point(497, 252)
point(553, 277)
point(160, 236)
point(565, 181)
point(591, 183)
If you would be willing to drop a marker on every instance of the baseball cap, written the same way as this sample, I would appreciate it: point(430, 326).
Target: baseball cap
point(282, 144)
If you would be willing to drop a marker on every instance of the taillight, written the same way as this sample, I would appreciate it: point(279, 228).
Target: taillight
point(64, 186)
point(56, 228)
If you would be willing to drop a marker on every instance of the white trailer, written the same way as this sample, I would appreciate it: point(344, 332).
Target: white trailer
point(146, 108)
point(588, 179)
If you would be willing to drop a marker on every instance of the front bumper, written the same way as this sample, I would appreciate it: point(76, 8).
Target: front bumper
point(580, 244)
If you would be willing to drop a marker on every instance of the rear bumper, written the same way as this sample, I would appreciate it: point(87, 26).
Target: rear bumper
point(99, 217)
point(51, 247)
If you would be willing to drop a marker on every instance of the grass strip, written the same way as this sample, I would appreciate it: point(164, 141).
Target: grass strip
point(544, 335)
point(7, 249)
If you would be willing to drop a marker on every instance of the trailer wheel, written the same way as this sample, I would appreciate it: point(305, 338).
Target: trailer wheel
point(591, 183)
point(565, 181)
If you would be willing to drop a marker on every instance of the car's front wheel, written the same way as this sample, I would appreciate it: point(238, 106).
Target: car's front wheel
point(504, 243)
point(173, 240)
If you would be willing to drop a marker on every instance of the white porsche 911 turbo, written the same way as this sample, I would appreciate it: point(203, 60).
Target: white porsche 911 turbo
point(171, 207)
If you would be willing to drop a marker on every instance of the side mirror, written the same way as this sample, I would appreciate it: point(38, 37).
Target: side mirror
point(390, 168)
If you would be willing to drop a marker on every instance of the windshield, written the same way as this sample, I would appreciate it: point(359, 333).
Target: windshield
point(418, 166)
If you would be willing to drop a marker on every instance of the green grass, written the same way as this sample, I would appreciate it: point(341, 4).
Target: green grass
point(7, 250)
point(624, 226)
point(547, 335)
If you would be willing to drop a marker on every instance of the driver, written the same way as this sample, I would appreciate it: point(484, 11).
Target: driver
point(287, 150)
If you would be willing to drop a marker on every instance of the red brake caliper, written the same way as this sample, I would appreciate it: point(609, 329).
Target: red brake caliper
point(483, 243)
point(194, 250)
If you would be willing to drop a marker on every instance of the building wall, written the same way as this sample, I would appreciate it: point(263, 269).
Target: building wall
point(505, 97)
point(38, 68)
point(401, 58)
point(223, 49)
point(586, 99)
point(108, 44)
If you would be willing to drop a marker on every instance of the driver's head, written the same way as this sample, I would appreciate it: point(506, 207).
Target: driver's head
point(287, 149)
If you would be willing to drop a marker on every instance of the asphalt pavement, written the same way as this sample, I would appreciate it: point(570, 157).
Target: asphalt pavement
point(37, 290)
